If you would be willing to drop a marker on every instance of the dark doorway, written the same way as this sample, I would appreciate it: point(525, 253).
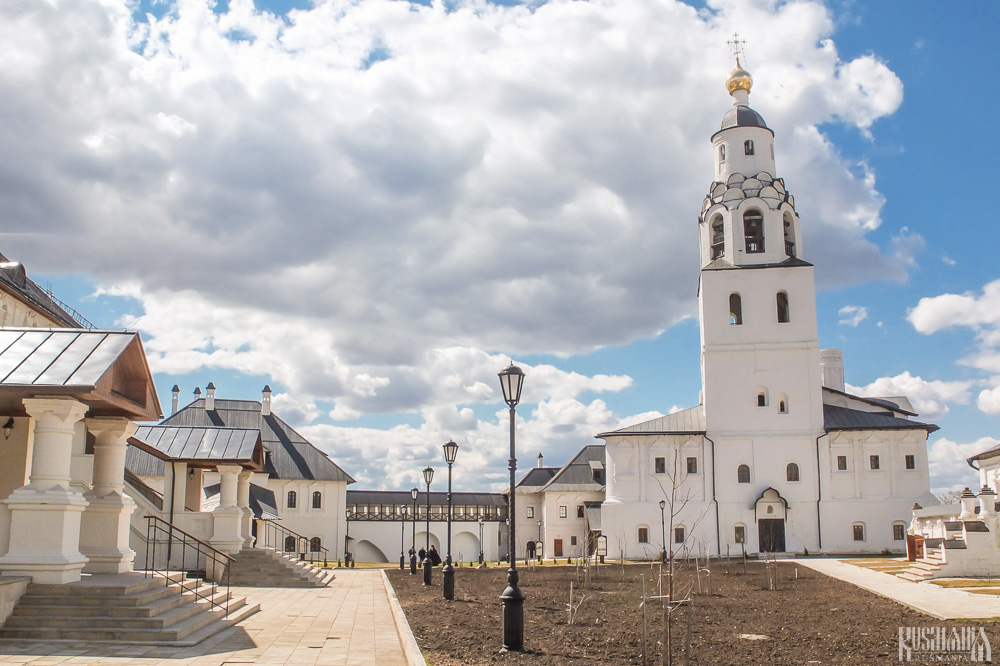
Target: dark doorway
point(771, 535)
point(557, 548)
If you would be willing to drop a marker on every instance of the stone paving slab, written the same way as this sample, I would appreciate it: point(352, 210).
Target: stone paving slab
point(940, 602)
point(349, 623)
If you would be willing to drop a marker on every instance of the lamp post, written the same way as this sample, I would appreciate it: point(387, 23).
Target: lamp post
point(540, 544)
point(663, 531)
point(413, 534)
point(347, 540)
point(450, 452)
point(402, 536)
point(428, 477)
point(511, 381)
point(480, 539)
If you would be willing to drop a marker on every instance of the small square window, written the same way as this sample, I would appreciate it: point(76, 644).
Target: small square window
point(842, 463)
point(562, 512)
point(643, 535)
point(873, 462)
point(910, 461)
point(579, 511)
point(660, 465)
point(678, 535)
point(572, 541)
point(898, 532)
point(741, 534)
point(859, 532)
point(692, 465)
point(531, 512)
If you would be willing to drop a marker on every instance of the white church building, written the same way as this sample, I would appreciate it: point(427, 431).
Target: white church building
point(777, 457)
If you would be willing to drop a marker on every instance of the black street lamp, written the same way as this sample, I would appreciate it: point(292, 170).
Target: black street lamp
point(413, 535)
point(428, 477)
point(480, 539)
point(347, 540)
point(511, 381)
point(663, 531)
point(450, 453)
point(540, 544)
point(402, 536)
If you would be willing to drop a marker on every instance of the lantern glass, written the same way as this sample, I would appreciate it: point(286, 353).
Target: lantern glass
point(413, 494)
point(450, 452)
point(428, 475)
point(511, 381)
point(663, 504)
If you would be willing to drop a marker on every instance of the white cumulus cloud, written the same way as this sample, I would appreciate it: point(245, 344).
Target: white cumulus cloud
point(929, 398)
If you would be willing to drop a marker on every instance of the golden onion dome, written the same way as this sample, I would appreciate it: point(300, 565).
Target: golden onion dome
point(738, 79)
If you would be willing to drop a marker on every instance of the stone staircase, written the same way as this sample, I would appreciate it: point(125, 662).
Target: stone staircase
point(264, 567)
point(926, 567)
point(125, 608)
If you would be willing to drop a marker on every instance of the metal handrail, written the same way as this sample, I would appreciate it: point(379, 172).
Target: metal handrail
point(280, 533)
point(155, 498)
point(156, 525)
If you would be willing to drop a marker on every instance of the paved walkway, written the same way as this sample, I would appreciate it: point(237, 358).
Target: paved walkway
point(349, 623)
point(940, 602)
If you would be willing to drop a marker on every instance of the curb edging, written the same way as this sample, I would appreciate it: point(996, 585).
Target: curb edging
point(410, 648)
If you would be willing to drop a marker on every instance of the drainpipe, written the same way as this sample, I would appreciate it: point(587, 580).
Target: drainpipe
point(718, 533)
point(819, 494)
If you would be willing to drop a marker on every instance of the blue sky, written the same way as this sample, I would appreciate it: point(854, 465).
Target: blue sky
point(372, 206)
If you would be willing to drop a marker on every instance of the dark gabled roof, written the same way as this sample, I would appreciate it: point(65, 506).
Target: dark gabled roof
point(202, 446)
point(403, 498)
point(578, 474)
point(142, 463)
point(842, 418)
point(685, 422)
point(105, 370)
point(288, 454)
point(989, 453)
point(536, 477)
point(262, 501)
point(14, 279)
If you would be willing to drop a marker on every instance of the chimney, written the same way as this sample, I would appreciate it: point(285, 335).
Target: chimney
point(541, 461)
point(176, 391)
point(265, 401)
point(197, 394)
point(831, 366)
point(210, 397)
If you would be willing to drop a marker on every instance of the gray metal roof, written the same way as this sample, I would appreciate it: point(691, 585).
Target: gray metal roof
point(142, 463)
point(593, 513)
point(578, 474)
point(686, 421)
point(536, 477)
point(262, 501)
point(289, 455)
point(742, 115)
point(206, 445)
point(842, 418)
point(402, 497)
point(14, 279)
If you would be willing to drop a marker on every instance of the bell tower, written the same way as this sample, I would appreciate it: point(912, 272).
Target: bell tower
point(760, 353)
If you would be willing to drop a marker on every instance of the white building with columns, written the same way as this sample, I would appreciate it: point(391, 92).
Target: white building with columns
point(776, 456)
point(68, 402)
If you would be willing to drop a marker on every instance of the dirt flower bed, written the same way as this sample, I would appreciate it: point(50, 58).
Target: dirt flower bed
point(810, 618)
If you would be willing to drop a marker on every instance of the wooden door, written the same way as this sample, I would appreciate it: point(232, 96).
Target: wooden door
point(771, 535)
point(557, 548)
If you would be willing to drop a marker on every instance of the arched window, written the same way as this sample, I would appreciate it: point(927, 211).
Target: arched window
point(718, 237)
point(722, 153)
point(290, 544)
point(859, 531)
point(748, 147)
point(735, 309)
point(643, 535)
point(753, 231)
point(782, 302)
point(792, 472)
point(291, 499)
point(782, 404)
point(317, 500)
point(743, 474)
point(762, 397)
point(740, 533)
point(315, 544)
point(789, 235)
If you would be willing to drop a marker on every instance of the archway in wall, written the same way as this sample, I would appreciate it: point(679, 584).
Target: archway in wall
point(366, 551)
point(422, 542)
point(464, 547)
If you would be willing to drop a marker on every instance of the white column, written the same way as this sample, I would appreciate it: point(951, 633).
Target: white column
point(968, 501)
point(243, 502)
point(228, 517)
point(45, 514)
point(104, 528)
